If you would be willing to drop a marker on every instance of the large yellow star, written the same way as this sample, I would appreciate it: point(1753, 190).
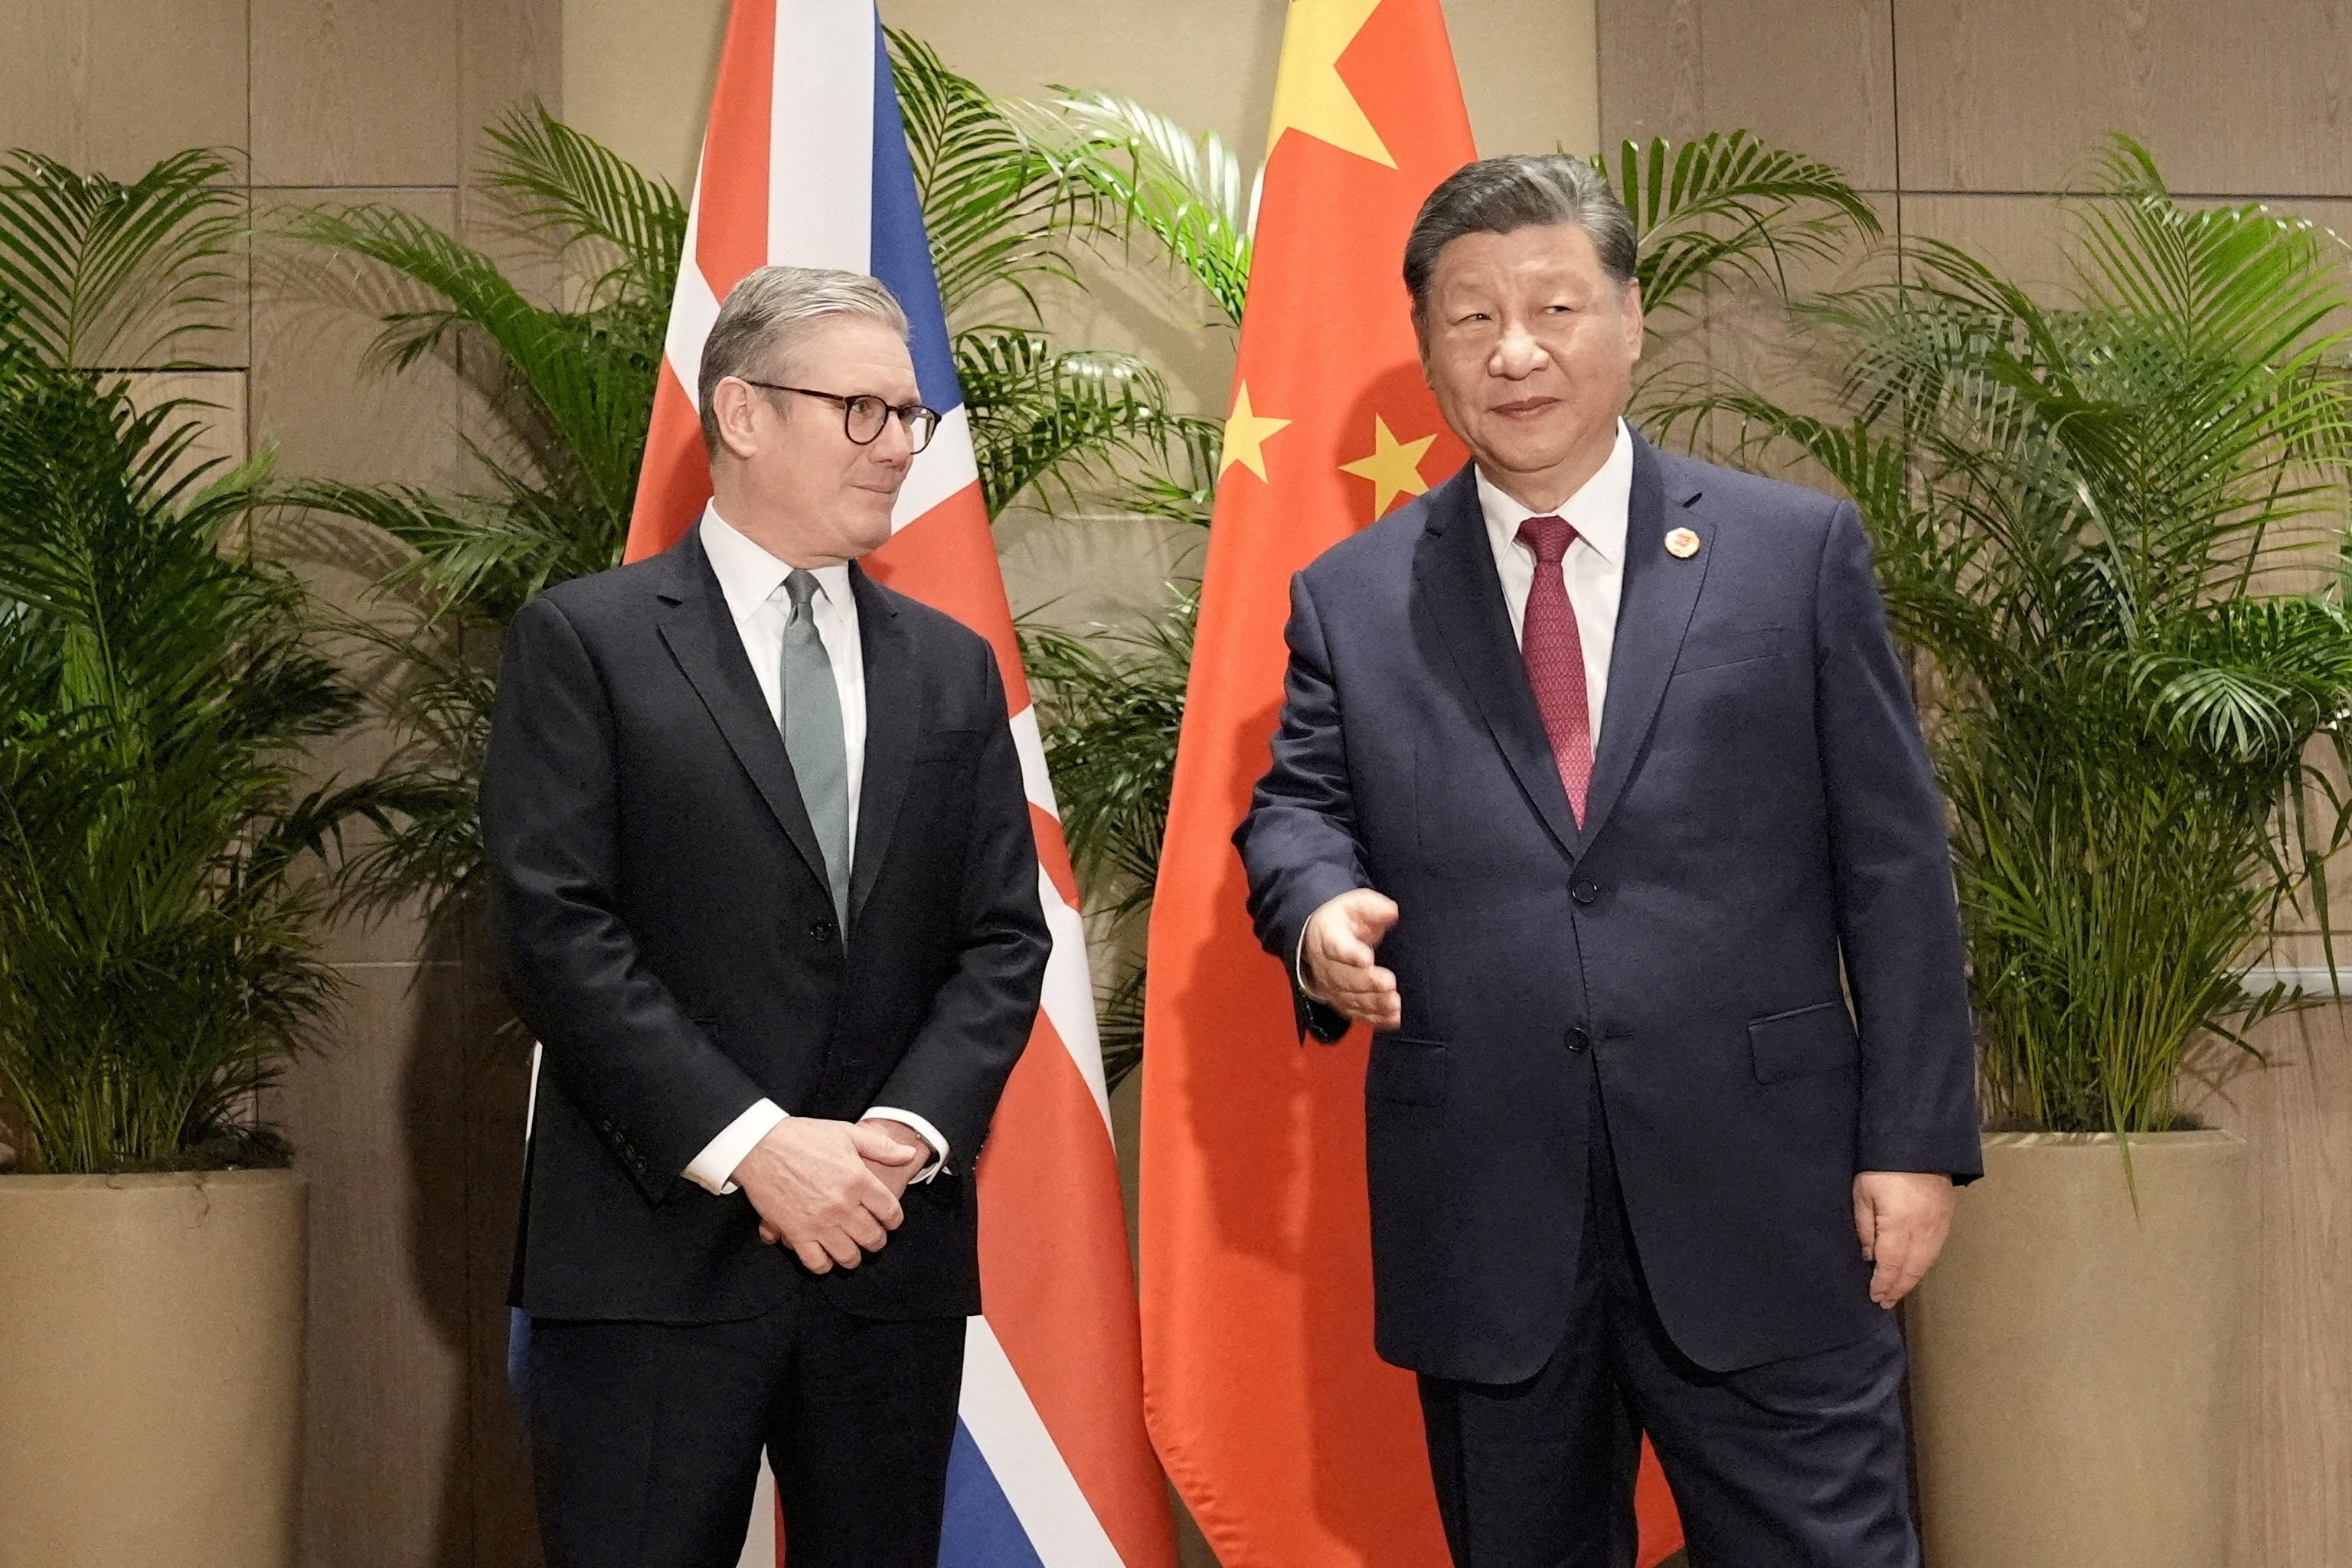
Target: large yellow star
point(1308, 94)
point(1245, 434)
point(1394, 467)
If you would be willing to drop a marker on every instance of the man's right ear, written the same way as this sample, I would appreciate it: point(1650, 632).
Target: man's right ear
point(731, 409)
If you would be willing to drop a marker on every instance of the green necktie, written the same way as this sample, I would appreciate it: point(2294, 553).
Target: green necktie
point(812, 738)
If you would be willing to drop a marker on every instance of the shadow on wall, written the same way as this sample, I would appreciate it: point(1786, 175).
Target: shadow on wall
point(464, 1057)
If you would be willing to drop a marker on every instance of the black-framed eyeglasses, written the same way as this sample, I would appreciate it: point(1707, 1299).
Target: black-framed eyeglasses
point(862, 414)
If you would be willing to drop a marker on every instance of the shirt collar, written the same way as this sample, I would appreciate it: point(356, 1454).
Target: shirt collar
point(749, 576)
point(1597, 510)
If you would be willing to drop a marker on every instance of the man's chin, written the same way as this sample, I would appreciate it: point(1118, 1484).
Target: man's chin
point(1535, 454)
point(869, 529)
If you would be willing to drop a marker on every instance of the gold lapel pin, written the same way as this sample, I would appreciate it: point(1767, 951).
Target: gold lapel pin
point(1682, 544)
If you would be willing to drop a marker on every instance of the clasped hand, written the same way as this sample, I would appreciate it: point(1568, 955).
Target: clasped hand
point(830, 1190)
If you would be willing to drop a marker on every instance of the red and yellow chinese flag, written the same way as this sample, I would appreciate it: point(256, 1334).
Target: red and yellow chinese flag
point(1294, 1445)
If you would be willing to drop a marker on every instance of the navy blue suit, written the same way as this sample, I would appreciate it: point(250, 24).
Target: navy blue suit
point(1659, 984)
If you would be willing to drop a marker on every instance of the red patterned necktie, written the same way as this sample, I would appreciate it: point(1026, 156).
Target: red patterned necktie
point(1555, 656)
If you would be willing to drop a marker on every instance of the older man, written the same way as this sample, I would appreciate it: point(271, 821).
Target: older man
point(764, 888)
point(1598, 794)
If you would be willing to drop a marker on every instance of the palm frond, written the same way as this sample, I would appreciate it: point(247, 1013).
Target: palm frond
point(1137, 173)
point(1046, 420)
point(589, 384)
point(993, 202)
point(99, 272)
point(1730, 205)
point(1112, 702)
point(162, 863)
point(584, 192)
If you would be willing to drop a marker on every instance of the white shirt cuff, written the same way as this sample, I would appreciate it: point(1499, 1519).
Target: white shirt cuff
point(713, 1170)
point(923, 1129)
point(1299, 970)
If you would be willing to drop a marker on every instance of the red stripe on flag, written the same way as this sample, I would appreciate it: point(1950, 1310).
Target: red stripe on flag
point(947, 558)
point(1054, 853)
point(1070, 1332)
point(676, 479)
point(732, 213)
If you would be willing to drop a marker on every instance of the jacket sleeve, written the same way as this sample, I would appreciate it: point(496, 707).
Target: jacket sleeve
point(1898, 921)
point(1298, 842)
point(955, 1071)
point(616, 1041)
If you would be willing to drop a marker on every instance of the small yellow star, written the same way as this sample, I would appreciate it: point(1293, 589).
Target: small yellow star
point(1245, 434)
point(1308, 94)
point(1394, 467)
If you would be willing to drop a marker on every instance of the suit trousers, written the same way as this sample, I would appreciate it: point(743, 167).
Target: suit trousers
point(1794, 1464)
point(646, 1438)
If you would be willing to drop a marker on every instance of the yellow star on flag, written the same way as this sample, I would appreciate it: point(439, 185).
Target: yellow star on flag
point(1245, 434)
point(1394, 467)
point(1308, 94)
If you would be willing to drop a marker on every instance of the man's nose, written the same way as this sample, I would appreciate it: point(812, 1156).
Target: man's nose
point(1516, 353)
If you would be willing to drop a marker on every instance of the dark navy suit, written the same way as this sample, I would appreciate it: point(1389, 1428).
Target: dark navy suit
point(1646, 1052)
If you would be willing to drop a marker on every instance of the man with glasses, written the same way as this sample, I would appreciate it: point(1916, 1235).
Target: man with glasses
point(764, 886)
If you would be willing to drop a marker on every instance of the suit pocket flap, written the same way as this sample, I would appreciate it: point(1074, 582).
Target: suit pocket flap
point(1818, 1038)
point(1411, 1071)
point(1707, 651)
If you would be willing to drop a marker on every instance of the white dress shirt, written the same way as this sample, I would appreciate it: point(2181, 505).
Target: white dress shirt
point(1593, 570)
point(753, 583)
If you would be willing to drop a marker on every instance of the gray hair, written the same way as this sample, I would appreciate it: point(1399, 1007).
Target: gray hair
point(1498, 195)
point(767, 311)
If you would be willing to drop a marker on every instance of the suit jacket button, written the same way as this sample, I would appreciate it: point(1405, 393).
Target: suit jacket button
point(1579, 1041)
point(1584, 890)
point(824, 930)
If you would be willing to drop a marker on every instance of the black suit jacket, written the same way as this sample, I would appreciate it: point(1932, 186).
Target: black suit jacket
point(1761, 820)
point(662, 924)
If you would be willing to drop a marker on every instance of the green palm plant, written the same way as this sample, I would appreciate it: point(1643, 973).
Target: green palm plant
point(1014, 195)
point(1729, 208)
point(575, 379)
point(2108, 524)
point(156, 920)
point(162, 865)
point(1112, 703)
point(97, 272)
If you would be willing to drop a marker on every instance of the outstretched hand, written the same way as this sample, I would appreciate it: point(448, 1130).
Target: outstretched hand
point(1342, 969)
point(815, 1186)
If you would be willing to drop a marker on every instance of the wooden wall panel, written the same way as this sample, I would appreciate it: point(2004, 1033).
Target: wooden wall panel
point(2012, 95)
point(315, 399)
point(377, 1119)
point(1818, 75)
point(2023, 236)
point(2294, 1478)
point(508, 54)
point(114, 85)
point(350, 93)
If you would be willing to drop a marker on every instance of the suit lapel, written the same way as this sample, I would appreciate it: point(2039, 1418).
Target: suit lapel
point(1653, 614)
point(894, 716)
point(1455, 567)
point(700, 634)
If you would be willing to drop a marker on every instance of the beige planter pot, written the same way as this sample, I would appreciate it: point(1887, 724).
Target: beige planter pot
point(2075, 1364)
point(151, 1369)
